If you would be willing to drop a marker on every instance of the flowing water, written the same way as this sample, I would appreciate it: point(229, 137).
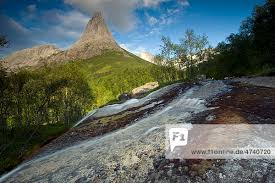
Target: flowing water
point(130, 149)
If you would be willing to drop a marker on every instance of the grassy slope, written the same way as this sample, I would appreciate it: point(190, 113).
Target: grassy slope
point(114, 73)
point(108, 76)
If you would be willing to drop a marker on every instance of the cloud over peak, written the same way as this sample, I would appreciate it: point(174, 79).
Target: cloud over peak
point(120, 13)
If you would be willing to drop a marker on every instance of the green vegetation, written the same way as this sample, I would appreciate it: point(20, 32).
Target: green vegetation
point(112, 74)
point(191, 50)
point(37, 105)
point(249, 52)
point(21, 144)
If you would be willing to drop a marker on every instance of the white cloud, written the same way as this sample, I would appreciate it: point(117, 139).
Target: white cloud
point(119, 12)
point(155, 31)
point(151, 3)
point(29, 12)
point(125, 47)
point(18, 36)
point(146, 56)
point(164, 20)
point(61, 28)
point(184, 3)
point(72, 21)
point(168, 16)
point(139, 51)
point(173, 11)
point(65, 27)
point(31, 8)
point(151, 20)
point(154, 3)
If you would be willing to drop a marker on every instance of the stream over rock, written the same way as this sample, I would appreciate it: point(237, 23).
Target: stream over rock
point(125, 155)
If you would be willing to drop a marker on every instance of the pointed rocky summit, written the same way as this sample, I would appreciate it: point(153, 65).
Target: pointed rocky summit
point(95, 39)
point(96, 30)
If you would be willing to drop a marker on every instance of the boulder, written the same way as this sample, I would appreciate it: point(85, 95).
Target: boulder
point(144, 89)
point(124, 96)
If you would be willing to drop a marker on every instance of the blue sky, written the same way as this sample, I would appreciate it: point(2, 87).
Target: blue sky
point(136, 24)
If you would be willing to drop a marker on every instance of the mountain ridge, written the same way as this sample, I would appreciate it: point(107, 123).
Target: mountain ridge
point(95, 40)
point(29, 57)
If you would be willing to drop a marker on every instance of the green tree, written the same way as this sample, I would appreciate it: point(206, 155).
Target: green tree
point(5, 103)
point(168, 49)
point(191, 50)
point(263, 28)
point(251, 51)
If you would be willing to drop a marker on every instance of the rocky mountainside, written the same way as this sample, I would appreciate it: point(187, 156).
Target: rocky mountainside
point(95, 39)
point(30, 57)
point(96, 34)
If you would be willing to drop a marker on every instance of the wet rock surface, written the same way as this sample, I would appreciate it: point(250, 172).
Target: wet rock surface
point(135, 153)
point(139, 91)
point(244, 104)
point(229, 171)
point(258, 81)
point(98, 125)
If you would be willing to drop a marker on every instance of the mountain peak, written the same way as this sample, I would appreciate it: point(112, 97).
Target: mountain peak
point(98, 15)
point(95, 39)
point(95, 33)
point(96, 29)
